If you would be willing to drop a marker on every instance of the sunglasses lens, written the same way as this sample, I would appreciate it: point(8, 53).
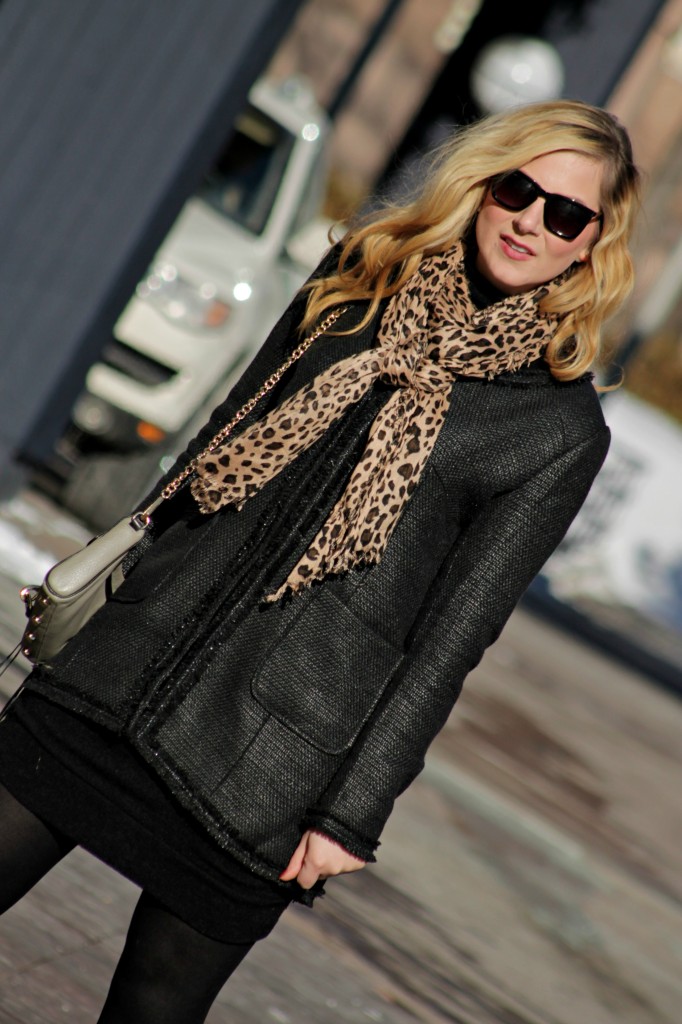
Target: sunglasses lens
point(565, 218)
point(514, 191)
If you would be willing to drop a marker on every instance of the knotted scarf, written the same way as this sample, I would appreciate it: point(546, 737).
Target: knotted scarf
point(430, 332)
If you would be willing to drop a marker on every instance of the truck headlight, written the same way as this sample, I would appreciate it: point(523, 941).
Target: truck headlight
point(93, 415)
point(195, 306)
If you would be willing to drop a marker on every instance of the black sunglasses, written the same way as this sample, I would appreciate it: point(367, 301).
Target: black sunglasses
point(564, 217)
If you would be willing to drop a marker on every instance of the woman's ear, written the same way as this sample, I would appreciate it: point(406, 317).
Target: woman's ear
point(587, 251)
point(584, 256)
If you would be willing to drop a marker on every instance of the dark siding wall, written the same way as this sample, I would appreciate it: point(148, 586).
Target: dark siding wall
point(111, 112)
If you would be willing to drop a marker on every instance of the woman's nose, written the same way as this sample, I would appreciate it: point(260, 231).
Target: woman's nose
point(530, 219)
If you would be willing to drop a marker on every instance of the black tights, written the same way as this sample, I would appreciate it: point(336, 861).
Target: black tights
point(168, 973)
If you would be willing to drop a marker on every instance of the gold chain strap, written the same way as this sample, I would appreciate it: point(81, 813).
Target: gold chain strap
point(170, 488)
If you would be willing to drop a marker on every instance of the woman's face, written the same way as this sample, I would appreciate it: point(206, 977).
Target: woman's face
point(516, 252)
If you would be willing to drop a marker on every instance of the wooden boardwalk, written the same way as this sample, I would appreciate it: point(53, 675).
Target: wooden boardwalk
point(531, 875)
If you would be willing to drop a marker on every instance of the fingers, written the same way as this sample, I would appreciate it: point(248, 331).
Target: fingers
point(309, 875)
point(295, 864)
point(317, 857)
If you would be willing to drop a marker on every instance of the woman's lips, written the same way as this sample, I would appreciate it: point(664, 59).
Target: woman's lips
point(515, 250)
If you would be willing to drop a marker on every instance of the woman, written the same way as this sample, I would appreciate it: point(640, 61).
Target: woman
point(235, 724)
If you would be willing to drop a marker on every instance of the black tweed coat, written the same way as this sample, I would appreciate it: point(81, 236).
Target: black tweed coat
point(265, 719)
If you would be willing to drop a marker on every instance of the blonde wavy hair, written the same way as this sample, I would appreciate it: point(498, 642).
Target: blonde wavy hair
point(384, 249)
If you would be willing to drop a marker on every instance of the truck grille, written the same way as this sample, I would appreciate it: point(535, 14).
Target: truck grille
point(140, 368)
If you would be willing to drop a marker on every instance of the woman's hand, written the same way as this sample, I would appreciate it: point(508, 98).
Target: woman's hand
point(316, 857)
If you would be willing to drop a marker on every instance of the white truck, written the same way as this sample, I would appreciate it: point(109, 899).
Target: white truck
point(238, 251)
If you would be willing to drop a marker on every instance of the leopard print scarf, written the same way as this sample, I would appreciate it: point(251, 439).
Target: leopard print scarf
point(430, 332)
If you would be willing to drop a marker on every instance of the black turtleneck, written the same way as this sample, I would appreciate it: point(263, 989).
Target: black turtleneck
point(483, 292)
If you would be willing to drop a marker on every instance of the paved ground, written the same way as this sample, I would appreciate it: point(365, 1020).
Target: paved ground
point(531, 875)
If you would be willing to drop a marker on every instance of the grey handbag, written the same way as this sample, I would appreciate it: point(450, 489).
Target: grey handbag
point(76, 587)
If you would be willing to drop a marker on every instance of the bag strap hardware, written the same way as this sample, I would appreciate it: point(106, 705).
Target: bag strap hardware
point(140, 520)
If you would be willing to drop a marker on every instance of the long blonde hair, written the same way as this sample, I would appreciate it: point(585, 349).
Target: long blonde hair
point(384, 249)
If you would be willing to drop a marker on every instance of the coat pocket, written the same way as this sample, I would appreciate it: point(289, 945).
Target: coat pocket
point(325, 675)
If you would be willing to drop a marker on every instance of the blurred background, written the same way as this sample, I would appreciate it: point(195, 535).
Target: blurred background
point(168, 178)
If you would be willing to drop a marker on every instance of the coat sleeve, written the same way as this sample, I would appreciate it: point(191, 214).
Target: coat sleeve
point(481, 580)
